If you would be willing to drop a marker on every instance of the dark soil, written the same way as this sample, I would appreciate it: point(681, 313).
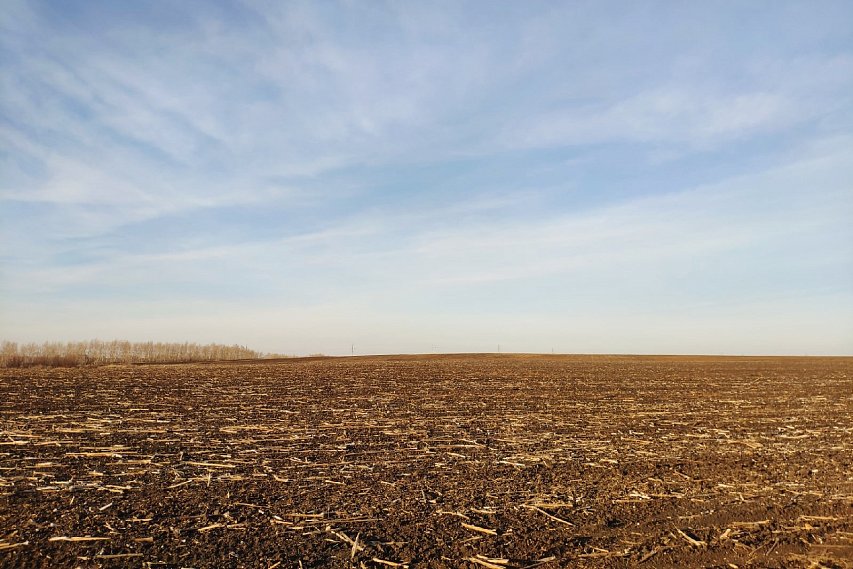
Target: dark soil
point(453, 461)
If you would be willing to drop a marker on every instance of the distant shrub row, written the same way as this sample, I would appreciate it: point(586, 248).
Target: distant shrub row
point(98, 352)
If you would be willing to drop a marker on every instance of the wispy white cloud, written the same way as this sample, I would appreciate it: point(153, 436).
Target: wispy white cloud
point(672, 115)
point(657, 233)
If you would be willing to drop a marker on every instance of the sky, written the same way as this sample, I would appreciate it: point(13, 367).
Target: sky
point(404, 177)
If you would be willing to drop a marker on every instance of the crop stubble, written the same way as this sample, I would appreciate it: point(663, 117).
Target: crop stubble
point(452, 461)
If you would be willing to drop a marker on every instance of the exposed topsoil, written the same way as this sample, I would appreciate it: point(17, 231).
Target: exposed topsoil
point(456, 461)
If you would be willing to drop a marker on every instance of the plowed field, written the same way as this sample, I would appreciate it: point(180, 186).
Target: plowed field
point(443, 461)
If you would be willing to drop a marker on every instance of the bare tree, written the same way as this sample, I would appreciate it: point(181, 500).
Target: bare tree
point(98, 352)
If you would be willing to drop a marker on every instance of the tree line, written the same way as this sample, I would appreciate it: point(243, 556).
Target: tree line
point(99, 352)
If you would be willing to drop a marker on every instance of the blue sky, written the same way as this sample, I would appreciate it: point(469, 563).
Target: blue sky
point(657, 177)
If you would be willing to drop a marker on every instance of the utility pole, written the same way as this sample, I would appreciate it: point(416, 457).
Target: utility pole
point(352, 349)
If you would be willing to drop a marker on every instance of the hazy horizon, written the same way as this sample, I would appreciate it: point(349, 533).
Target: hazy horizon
point(589, 177)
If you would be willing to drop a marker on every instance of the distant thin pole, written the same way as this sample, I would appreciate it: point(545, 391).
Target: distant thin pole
point(352, 349)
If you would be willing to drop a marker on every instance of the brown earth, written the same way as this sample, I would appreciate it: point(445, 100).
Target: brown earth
point(453, 461)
